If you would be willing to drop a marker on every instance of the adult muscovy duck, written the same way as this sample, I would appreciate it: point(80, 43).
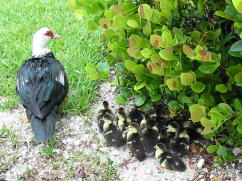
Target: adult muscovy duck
point(42, 86)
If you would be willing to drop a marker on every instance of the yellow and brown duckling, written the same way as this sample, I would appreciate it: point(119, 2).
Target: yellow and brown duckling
point(180, 143)
point(194, 131)
point(173, 129)
point(134, 141)
point(163, 137)
point(150, 134)
point(122, 119)
point(136, 115)
point(160, 115)
point(112, 134)
point(104, 113)
point(168, 159)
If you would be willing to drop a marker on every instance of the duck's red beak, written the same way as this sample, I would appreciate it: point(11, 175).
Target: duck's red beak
point(55, 36)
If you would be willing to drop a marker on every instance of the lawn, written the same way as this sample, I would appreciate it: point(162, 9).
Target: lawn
point(18, 20)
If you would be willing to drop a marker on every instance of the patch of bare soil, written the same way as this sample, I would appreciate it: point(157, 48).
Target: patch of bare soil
point(79, 151)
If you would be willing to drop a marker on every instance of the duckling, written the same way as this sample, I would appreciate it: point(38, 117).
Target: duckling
point(136, 115)
point(112, 134)
point(150, 135)
point(168, 159)
point(134, 141)
point(122, 119)
point(173, 129)
point(163, 137)
point(104, 113)
point(192, 130)
point(122, 122)
point(159, 115)
point(145, 121)
point(180, 143)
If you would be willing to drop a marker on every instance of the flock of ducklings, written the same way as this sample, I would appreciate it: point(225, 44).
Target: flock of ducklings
point(148, 134)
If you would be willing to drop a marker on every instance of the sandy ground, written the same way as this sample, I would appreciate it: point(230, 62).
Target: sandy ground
point(78, 144)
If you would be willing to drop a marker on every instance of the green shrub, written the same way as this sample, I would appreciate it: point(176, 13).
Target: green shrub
point(185, 52)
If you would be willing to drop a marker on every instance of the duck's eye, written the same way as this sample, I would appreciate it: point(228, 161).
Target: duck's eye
point(49, 33)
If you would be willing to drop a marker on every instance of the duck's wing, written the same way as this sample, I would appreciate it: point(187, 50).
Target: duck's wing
point(42, 86)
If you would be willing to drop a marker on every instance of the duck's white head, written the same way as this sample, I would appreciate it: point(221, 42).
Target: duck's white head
point(40, 41)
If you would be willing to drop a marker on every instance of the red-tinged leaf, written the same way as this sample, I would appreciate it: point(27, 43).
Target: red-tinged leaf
point(188, 51)
point(203, 53)
point(105, 23)
point(150, 68)
point(207, 57)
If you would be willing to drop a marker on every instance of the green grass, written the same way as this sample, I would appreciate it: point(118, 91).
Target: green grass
point(8, 149)
point(9, 134)
point(48, 148)
point(18, 20)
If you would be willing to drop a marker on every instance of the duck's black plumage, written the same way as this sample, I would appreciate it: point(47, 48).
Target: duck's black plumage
point(42, 86)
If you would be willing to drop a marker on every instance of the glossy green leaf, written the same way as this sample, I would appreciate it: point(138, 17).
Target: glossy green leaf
point(92, 71)
point(221, 88)
point(187, 78)
point(139, 85)
point(179, 37)
point(207, 122)
point(188, 51)
point(173, 84)
point(147, 28)
point(223, 15)
point(222, 151)
point(237, 105)
point(167, 54)
point(198, 87)
point(211, 148)
point(145, 11)
point(134, 52)
point(236, 49)
point(156, 66)
point(218, 159)
point(156, 17)
point(135, 41)
point(208, 68)
point(238, 5)
point(140, 100)
point(216, 115)
point(238, 78)
point(196, 36)
point(133, 23)
point(167, 40)
point(175, 105)
point(197, 112)
point(125, 92)
point(239, 127)
point(156, 97)
point(139, 69)
point(146, 52)
point(206, 131)
point(119, 21)
point(207, 100)
point(129, 64)
point(120, 100)
point(225, 109)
